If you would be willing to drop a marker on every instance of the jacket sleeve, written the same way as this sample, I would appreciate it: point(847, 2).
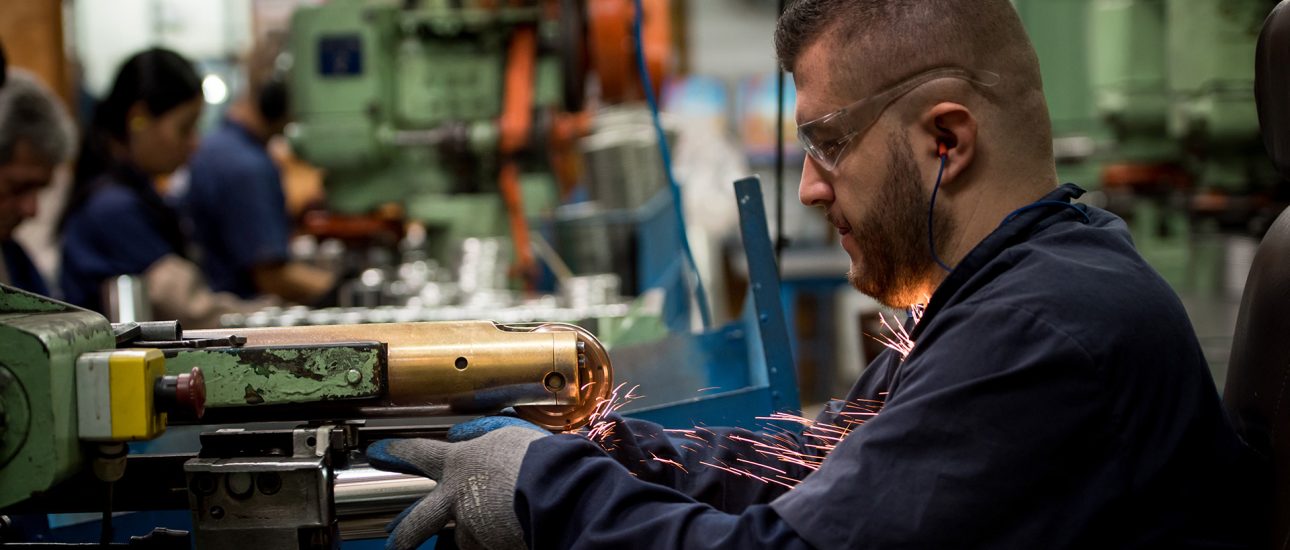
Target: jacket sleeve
point(996, 434)
point(570, 494)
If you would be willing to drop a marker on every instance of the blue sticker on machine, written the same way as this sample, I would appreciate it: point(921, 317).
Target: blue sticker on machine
point(340, 55)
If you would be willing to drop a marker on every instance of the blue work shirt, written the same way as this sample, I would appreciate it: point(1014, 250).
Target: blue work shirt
point(22, 272)
point(1056, 397)
point(121, 229)
point(237, 208)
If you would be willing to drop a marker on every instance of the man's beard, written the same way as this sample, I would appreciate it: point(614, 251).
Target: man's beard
point(892, 238)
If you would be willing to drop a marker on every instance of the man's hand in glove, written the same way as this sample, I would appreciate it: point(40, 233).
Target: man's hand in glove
point(471, 429)
point(476, 487)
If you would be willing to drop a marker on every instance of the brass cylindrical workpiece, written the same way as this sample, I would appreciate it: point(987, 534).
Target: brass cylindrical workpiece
point(476, 363)
point(555, 374)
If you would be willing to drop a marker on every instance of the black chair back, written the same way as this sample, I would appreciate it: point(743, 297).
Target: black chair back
point(1257, 393)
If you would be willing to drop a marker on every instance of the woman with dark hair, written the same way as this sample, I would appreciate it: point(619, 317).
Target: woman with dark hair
point(116, 223)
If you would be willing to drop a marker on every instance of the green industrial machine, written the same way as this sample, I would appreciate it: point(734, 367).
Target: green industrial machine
point(1152, 104)
point(1154, 82)
point(38, 416)
point(1210, 47)
point(1129, 78)
point(424, 104)
point(1058, 30)
point(75, 389)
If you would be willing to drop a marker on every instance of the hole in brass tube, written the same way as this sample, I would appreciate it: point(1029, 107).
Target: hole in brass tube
point(554, 381)
point(462, 363)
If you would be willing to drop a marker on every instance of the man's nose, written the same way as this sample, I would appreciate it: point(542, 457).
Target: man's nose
point(814, 189)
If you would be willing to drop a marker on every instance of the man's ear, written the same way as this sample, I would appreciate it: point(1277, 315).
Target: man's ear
point(948, 129)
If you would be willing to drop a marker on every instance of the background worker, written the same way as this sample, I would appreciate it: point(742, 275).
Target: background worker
point(36, 136)
point(1052, 393)
point(235, 199)
point(116, 222)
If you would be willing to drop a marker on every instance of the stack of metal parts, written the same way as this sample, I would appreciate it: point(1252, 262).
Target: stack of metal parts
point(625, 180)
point(530, 311)
point(623, 160)
point(419, 289)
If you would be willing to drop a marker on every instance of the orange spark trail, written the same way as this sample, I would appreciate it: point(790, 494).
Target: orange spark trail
point(783, 446)
point(669, 462)
point(899, 339)
point(598, 428)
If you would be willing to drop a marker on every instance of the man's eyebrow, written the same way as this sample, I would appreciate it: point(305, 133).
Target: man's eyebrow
point(803, 116)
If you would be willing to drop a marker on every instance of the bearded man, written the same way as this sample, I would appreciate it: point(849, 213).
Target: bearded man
point(1052, 393)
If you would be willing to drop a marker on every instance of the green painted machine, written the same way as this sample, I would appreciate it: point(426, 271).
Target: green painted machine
point(448, 109)
point(1058, 29)
point(1154, 82)
point(1210, 46)
point(1152, 105)
point(41, 341)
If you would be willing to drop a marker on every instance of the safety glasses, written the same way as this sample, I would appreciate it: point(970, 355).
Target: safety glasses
point(826, 138)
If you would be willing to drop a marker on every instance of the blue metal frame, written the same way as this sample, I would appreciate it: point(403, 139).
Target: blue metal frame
point(764, 275)
point(751, 360)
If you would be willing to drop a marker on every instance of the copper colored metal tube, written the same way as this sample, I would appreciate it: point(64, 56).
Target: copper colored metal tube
point(554, 373)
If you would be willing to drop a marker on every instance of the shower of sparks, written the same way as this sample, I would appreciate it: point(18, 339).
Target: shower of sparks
point(782, 445)
point(859, 411)
point(786, 448)
point(898, 339)
point(786, 482)
point(600, 428)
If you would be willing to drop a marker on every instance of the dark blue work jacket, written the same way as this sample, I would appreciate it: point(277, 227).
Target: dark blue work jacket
point(1056, 397)
point(22, 272)
point(237, 209)
point(122, 228)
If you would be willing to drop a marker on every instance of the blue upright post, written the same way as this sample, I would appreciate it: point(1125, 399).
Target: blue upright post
point(764, 276)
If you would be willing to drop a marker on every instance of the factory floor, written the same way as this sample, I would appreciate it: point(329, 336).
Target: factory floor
point(1214, 318)
point(1210, 284)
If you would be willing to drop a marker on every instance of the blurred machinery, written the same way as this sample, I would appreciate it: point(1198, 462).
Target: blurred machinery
point(465, 117)
point(464, 142)
point(1153, 106)
point(1136, 86)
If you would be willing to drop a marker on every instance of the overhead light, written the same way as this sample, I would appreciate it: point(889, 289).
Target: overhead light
point(214, 89)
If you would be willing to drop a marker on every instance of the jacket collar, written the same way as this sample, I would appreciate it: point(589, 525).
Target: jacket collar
point(1015, 229)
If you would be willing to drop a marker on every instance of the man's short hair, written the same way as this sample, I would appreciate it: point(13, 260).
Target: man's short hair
point(30, 111)
point(897, 33)
point(877, 43)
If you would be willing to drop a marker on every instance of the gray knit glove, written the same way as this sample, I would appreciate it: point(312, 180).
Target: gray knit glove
point(476, 487)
